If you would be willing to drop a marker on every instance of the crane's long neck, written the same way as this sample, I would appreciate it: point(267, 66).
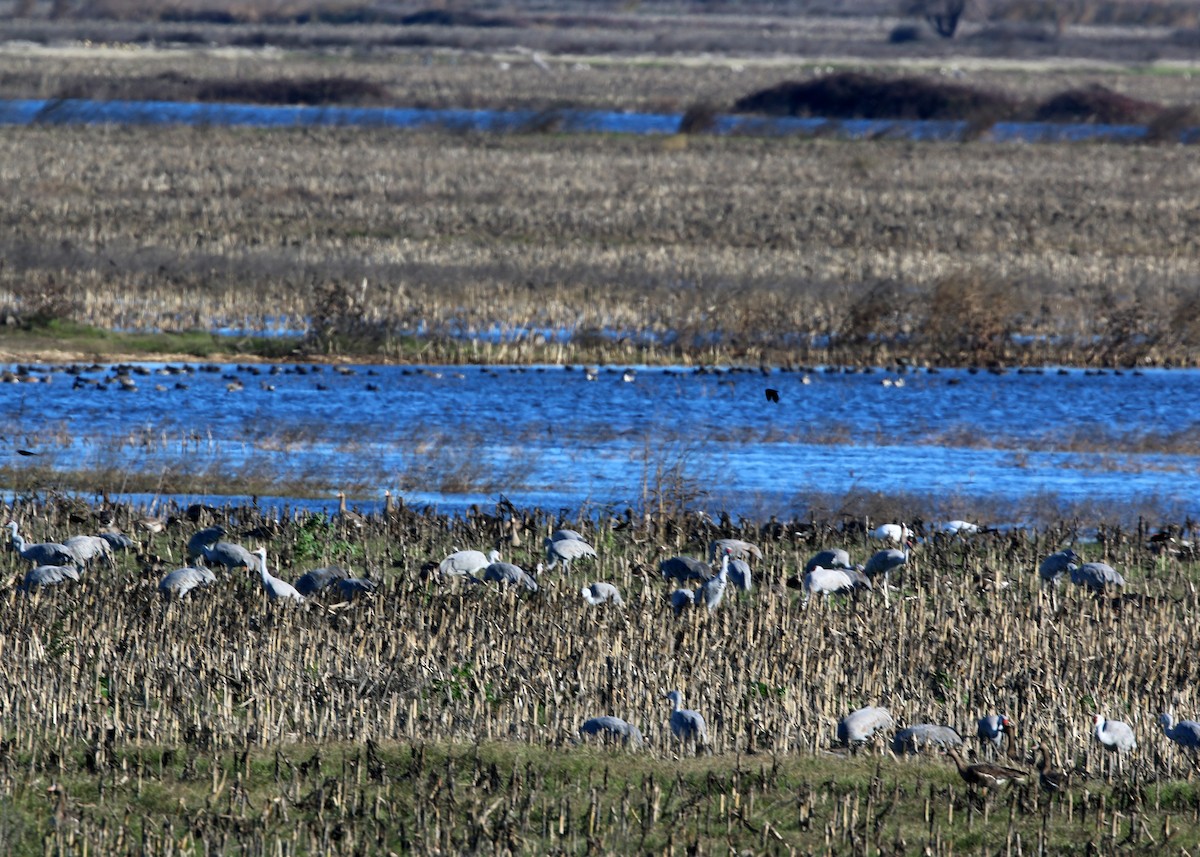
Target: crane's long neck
point(262, 565)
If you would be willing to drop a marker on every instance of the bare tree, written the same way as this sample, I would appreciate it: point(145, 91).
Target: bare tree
point(942, 15)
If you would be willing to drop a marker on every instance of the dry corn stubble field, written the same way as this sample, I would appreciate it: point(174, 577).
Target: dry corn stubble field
point(440, 717)
point(940, 253)
point(933, 251)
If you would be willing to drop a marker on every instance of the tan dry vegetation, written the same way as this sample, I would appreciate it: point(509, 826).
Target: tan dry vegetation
point(967, 630)
point(752, 239)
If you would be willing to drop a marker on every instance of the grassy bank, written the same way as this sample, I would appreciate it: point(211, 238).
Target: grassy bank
point(414, 797)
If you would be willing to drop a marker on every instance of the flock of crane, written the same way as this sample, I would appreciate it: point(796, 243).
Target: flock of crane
point(826, 573)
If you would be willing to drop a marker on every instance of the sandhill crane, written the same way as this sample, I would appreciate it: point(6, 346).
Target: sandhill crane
point(181, 581)
point(985, 775)
point(826, 581)
point(277, 589)
point(860, 726)
point(959, 528)
point(564, 534)
point(686, 725)
point(202, 539)
point(740, 575)
point(1056, 566)
point(1096, 576)
point(466, 563)
point(352, 587)
point(994, 728)
point(87, 548)
point(1185, 733)
point(884, 562)
point(507, 573)
point(713, 590)
point(682, 599)
point(925, 736)
point(737, 548)
point(609, 728)
point(47, 575)
point(118, 541)
point(601, 593)
point(832, 558)
point(1115, 736)
point(41, 553)
point(1051, 780)
point(319, 579)
point(229, 555)
point(567, 551)
point(684, 568)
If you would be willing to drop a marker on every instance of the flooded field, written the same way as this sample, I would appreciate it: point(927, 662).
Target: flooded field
point(613, 437)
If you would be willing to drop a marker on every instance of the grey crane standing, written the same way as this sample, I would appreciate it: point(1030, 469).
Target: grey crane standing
point(884, 562)
point(737, 549)
point(466, 563)
point(229, 555)
point(713, 590)
point(567, 551)
point(507, 573)
point(41, 553)
point(277, 589)
point(832, 558)
point(686, 725)
point(609, 728)
point(994, 728)
point(682, 599)
point(47, 575)
point(1115, 736)
point(1054, 567)
point(87, 548)
point(860, 726)
point(925, 736)
point(181, 581)
point(740, 575)
point(118, 541)
point(202, 539)
point(353, 587)
point(684, 568)
point(1185, 733)
point(602, 593)
point(826, 581)
point(1096, 576)
point(320, 579)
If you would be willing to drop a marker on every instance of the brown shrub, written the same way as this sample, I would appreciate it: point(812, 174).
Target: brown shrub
point(1096, 104)
point(317, 90)
point(698, 119)
point(1173, 125)
point(969, 319)
point(852, 95)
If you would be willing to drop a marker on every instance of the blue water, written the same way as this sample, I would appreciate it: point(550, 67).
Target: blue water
point(547, 436)
point(83, 112)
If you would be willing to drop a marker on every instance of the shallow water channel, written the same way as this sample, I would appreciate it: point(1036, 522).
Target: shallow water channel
point(552, 437)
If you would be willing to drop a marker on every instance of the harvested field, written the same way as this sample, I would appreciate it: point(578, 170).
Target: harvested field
point(813, 250)
point(183, 710)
